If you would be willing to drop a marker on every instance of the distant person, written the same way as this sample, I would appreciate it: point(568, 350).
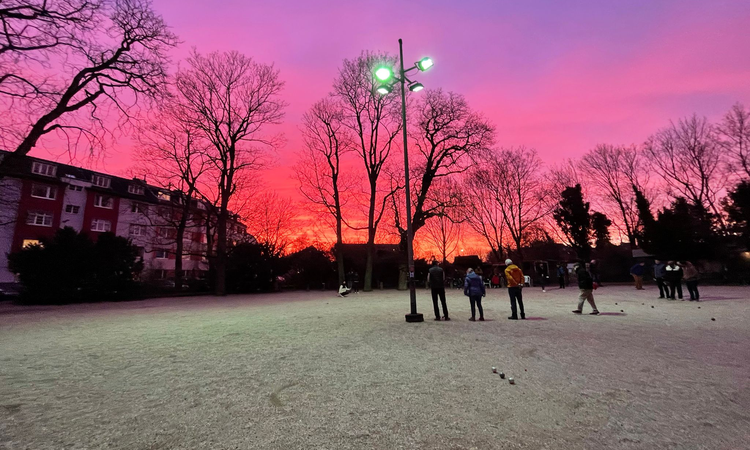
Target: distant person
point(344, 290)
point(561, 275)
point(495, 280)
point(659, 274)
point(474, 289)
point(586, 285)
point(348, 278)
point(355, 282)
point(637, 272)
point(594, 271)
point(691, 280)
point(514, 279)
point(541, 269)
point(436, 280)
point(673, 276)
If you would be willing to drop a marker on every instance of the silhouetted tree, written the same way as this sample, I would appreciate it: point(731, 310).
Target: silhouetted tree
point(734, 133)
point(572, 216)
point(737, 207)
point(231, 100)
point(600, 224)
point(60, 57)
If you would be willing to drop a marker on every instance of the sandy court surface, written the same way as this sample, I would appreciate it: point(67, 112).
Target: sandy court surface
point(308, 370)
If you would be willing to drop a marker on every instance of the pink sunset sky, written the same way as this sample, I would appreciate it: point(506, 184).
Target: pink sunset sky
point(559, 76)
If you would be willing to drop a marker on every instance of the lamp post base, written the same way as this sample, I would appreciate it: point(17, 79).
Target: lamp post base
point(414, 317)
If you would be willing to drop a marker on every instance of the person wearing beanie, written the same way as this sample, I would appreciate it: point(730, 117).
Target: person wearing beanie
point(474, 289)
point(514, 278)
point(436, 280)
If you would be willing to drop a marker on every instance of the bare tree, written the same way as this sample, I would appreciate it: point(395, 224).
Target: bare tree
point(271, 221)
point(688, 157)
point(77, 57)
point(612, 172)
point(516, 180)
point(172, 153)
point(447, 138)
point(318, 170)
point(482, 211)
point(375, 123)
point(734, 133)
point(443, 231)
point(231, 100)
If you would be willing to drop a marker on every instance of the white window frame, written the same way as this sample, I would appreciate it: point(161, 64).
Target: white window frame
point(164, 252)
point(40, 168)
point(134, 227)
point(51, 191)
point(72, 209)
point(136, 189)
point(137, 208)
point(101, 181)
point(99, 201)
point(34, 219)
point(106, 225)
point(162, 195)
point(74, 187)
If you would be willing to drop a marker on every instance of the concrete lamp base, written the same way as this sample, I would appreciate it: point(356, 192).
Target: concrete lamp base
point(414, 317)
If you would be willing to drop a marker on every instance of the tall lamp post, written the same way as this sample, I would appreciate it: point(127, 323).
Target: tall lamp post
point(385, 75)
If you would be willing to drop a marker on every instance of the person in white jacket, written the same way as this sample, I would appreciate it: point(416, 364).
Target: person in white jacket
point(344, 290)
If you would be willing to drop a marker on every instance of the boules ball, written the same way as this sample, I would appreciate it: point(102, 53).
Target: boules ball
point(713, 318)
point(502, 375)
point(652, 306)
point(511, 380)
point(622, 310)
point(494, 370)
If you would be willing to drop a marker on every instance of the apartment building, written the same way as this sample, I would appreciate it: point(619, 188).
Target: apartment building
point(39, 196)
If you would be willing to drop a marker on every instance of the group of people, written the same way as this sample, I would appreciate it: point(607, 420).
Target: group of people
point(474, 288)
point(669, 278)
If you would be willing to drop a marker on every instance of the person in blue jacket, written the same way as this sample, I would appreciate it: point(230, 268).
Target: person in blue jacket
point(474, 289)
point(637, 272)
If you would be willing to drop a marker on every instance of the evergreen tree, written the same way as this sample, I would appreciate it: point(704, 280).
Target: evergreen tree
point(600, 224)
point(737, 206)
point(572, 216)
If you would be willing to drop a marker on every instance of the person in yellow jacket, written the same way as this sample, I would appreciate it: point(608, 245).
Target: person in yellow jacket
point(515, 279)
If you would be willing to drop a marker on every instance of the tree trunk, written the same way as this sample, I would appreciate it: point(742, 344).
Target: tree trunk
point(178, 259)
point(369, 265)
point(220, 287)
point(403, 270)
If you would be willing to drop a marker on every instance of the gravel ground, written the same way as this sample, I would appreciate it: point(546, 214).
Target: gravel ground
point(308, 370)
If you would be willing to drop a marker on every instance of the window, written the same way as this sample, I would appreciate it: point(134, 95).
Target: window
point(29, 242)
point(75, 188)
point(103, 201)
point(160, 253)
point(101, 225)
point(72, 209)
point(137, 230)
point(40, 168)
point(163, 195)
point(135, 189)
point(42, 219)
point(137, 208)
point(169, 233)
point(186, 256)
point(43, 191)
point(101, 181)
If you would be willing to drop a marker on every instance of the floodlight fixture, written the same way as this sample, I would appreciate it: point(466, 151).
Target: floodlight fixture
point(416, 87)
point(425, 63)
point(383, 90)
point(383, 73)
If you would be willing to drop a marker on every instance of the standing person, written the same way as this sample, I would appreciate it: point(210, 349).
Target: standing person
point(594, 270)
point(561, 275)
point(586, 285)
point(355, 282)
point(436, 280)
point(348, 278)
point(659, 274)
point(637, 272)
point(495, 280)
point(474, 289)
point(541, 269)
point(691, 280)
point(514, 279)
point(674, 278)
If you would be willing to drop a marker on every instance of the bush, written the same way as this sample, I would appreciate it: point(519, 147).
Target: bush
point(70, 267)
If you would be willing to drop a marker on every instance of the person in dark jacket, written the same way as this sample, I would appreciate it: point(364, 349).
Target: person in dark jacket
point(436, 279)
point(474, 289)
point(673, 276)
point(586, 285)
point(594, 271)
point(637, 272)
point(659, 273)
point(561, 275)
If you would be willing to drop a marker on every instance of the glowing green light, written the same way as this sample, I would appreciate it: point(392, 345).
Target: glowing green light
point(383, 73)
point(425, 63)
point(383, 90)
point(416, 87)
